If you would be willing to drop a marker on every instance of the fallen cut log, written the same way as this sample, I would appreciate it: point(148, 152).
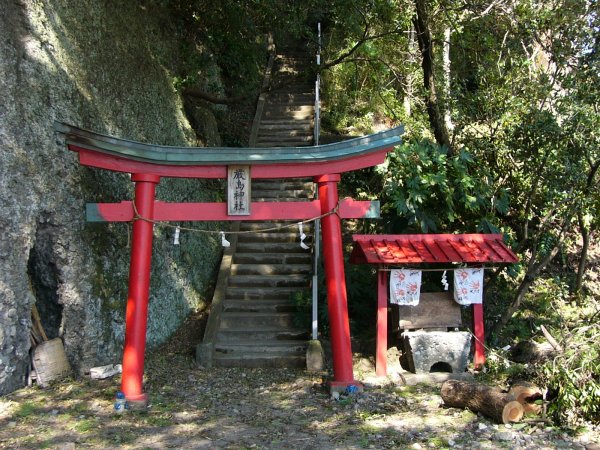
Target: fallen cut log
point(480, 398)
point(526, 394)
point(532, 352)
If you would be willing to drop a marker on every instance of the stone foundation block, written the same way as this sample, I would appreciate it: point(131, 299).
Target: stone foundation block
point(436, 351)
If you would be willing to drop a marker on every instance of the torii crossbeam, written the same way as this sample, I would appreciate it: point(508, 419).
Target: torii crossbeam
point(148, 163)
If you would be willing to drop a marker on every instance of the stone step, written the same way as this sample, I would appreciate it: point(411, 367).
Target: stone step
point(290, 236)
point(277, 195)
point(269, 269)
point(282, 107)
point(254, 360)
point(285, 132)
point(273, 258)
point(286, 139)
point(270, 247)
point(258, 281)
point(285, 126)
point(287, 122)
point(262, 293)
point(292, 347)
point(259, 306)
point(285, 144)
point(289, 116)
point(267, 333)
point(253, 320)
point(294, 87)
point(287, 97)
point(275, 227)
point(279, 185)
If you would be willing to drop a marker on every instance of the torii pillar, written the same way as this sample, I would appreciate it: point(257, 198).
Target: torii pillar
point(337, 301)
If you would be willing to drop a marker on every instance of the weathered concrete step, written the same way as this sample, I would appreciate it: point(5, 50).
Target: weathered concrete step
point(286, 121)
point(288, 111)
point(269, 269)
point(283, 226)
point(283, 198)
point(262, 334)
point(252, 320)
point(289, 116)
point(294, 86)
point(282, 194)
point(283, 132)
point(270, 247)
point(264, 293)
point(285, 144)
point(286, 107)
point(258, 281)
point(285, 126)
point(276, 237)
point(280, 185)
point(252, 360)
point(291, 97)
point(285, 139)
point(272, 258)
point(259, 306)
point(294, 347)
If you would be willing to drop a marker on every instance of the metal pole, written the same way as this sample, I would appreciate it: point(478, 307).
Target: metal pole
point(139, 287)
point(317, 225)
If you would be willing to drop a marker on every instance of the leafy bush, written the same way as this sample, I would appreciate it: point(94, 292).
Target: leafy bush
point(573, 377)
point(431, 190)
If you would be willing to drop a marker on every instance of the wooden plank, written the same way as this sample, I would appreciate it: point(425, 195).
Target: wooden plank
point(435, 310)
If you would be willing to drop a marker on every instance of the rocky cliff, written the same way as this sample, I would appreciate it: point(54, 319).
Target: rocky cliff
point(107, 67)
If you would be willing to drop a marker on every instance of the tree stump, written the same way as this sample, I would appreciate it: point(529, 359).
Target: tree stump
point(526, 394)
point(479, 398)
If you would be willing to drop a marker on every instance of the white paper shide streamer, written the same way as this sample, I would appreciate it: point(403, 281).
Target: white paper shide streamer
point(224, 242)
point(302, 237)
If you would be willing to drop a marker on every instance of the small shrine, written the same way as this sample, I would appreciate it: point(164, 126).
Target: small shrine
point(400, 261)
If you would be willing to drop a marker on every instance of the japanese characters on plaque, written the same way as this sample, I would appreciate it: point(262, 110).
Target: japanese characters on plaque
point(238, 190)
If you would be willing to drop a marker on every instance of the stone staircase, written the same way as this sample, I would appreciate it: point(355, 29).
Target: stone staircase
point(251, 321)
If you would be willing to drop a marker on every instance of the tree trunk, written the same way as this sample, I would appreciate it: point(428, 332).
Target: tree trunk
point(585, 236)
point(447, 92)
point(533, 270)
point(479, 398)
point(436, 118)
point(407, 102)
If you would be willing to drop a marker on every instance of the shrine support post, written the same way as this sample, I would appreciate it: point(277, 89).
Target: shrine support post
point(382, 324)
point(139, 287)
point(479, 332)
point(337, 302)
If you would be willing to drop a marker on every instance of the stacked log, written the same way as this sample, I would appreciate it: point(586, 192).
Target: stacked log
point(490, 401)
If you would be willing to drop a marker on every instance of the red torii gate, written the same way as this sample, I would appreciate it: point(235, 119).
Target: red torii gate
point(147, 163)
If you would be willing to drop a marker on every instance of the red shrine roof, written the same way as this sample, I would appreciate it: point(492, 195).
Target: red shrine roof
point(430, 248)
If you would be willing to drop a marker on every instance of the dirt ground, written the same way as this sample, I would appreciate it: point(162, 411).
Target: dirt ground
point(196, 408)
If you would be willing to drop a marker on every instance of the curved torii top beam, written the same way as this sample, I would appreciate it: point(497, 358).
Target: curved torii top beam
point(122, 155)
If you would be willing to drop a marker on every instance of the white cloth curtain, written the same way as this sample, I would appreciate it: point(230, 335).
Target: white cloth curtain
point(405, 287)
point(468, 286)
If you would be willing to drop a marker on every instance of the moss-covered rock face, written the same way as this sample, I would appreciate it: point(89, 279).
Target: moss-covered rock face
point(104, 66)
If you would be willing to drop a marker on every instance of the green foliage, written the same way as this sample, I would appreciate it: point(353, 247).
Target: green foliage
point(573, 377)
point(432, 191)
